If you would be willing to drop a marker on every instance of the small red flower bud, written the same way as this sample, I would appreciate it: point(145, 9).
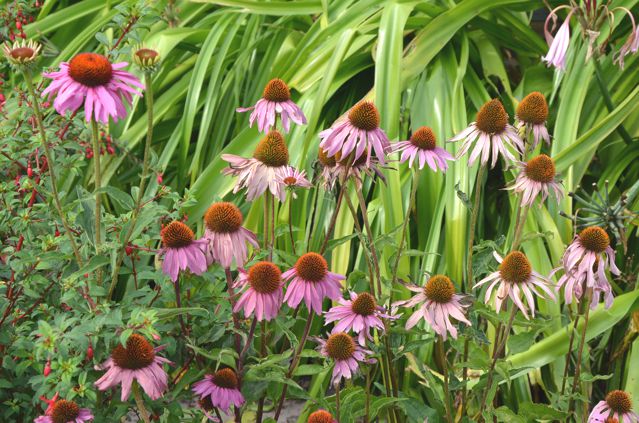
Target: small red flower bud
point(159, 178)
point(111, 150)
point(128, 250)
point(90, 352)
point(29, 170)
point(86, 275)
point(57, 232)
point(47, 368)
point(18, 25)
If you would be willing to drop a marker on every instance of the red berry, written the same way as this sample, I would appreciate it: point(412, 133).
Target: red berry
point(18, 25)
point(110, 150)
point(128, 250)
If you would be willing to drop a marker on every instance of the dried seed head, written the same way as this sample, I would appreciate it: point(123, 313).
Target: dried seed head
point(492, 117)
point(541, 169)
point(321, 416)
point(271, 150)
point(223, 217)
point(533, 109)
point(515, 268)
point(311, 267)
point(137, 354)
point(176, 234)
point(64, 411)
point(424, 138)
point(439, 288)
point(594, 239)
point(226, 378)
point(619, 401)
point(325, 160)
point(364, 304)
point(364, 115)
point(340, 346)
point(265, 277)
point(276, 90)
point(90, 69)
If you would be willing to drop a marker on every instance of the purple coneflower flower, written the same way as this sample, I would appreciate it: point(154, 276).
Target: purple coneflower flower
point(490, 131)
point(584, 264)
point(220, 390)
point(263, 170)
point(556, 55)
point(617, 405)
point(21, 52)
point(311, 281)
point(292, 178)
point(357, 133)
point(537, 177)
point(359, 314)
point(515, 276)
point(276, 98)
point(63, 411)
point(423, 146)
point(181, 251)
point(531, 116)
point(438, 303)
point(263, 294)
point(91, 79)
point(226, 237)
point(346, 353)
point(321, 416)
point(333, 169)
point(137, 361)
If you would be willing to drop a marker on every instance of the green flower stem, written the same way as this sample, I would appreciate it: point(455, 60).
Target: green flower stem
point(442, 353)
point(50, 165)
point(139, 402)
point(569, 353)
point(290, 223)
point(522, 213)
point(576, 384)
point(98, 196)
point(148, 96)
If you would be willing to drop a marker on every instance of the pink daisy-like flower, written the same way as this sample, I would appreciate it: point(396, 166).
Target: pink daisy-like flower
point(515, 277)
point(220, 390)
point(333, 169)
point(584, 263)
point(264, 170)
point(360, 314)
point(226, 238)
point(617, 405)
point(630, 46)
point(311, 281)
point(321, 416)
point(276, 98)
point(181, 250)
point(63, 411)
point(346, 354)
point(531, 116)
point(423, 146)
point(492, 134)
point(91, 79)
point(263, 294)
point(556, 55)
point(537, 177)
point(292, 178)
point(357, 133)
point(137, 361)
point(438, 303)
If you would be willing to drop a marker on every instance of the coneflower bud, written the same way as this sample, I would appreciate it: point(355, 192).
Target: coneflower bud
point(146, 59)
point(21, 53)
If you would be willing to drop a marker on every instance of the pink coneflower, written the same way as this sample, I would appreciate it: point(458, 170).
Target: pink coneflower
point(346, 353)
point(531, 116)
point(220, 390)
point(556, 55)
point(321, 416)
point(63, 411)
point(492, 134)
point(263, 294)
point(358, 132)
point(585, 262)
point(226, 238)
point(515, 276)
point(276, 98)
point(137, 361)
point(312, 282)
point(181, 250)
point(91, 79)
point(263, 170)
point(360, 314)
point(537, 177)
point(423, 146)
point(631, 45)
point(333, 169)
point(438, 303)
point(617, 405)
point(292, 178)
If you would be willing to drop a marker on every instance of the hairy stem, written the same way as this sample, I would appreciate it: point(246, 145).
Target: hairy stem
point(290, 224)
point(442, 353)
point(582, 343)
point(98, 195)
point(50, 166)
point(139, 402)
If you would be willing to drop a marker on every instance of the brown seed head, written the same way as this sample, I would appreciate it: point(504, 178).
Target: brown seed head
point(595, 239)
point(90, 69)
point(226, 378)
point(223, 217)
point(619, 401)
point(424, 138)
point(176, 234)
point(515, 268)
point(492, 117)
point(265, 277)
point(311, 267)
point(276, 90)
point(439, 288)
point(271, 150)
point(340, 346)
point(533, 109)
point(364, 304)
point(64, 411)
point(541, 169)
point(364, 115)
point(137, 354)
